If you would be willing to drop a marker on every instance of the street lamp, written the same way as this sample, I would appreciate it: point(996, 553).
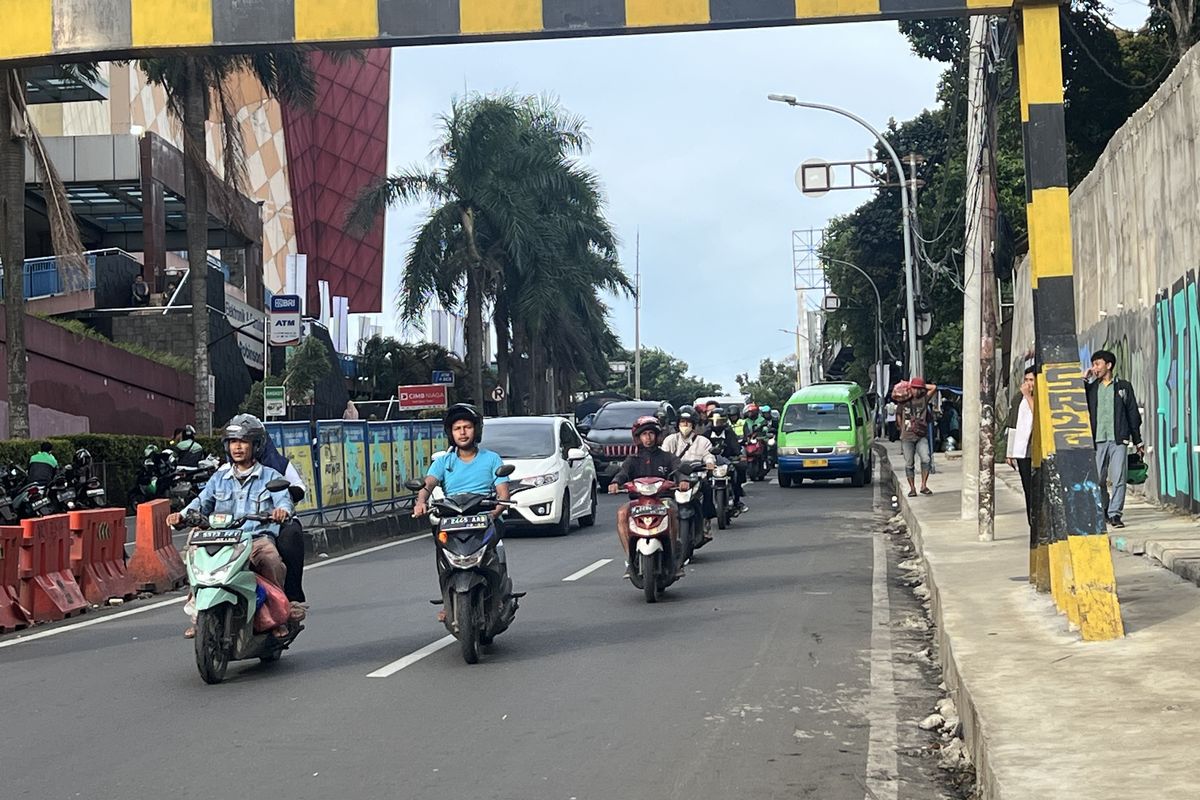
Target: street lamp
point(798, 335)
point(914, 350)
point(879, 387)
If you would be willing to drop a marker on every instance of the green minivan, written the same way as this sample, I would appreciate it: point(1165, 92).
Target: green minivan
point(825, 431)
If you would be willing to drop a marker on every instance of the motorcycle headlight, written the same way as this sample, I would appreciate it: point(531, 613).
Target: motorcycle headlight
point(535, 481)
point(771, 441)
point(219, 574)
point(721, 471)
point(465, 562)
point(647, 490)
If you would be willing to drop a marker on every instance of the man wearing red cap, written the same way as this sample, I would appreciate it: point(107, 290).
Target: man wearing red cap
point(912, 416)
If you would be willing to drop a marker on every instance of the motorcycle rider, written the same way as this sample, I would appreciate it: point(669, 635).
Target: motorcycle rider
point(689, 445)
point(466, 468)
point(650, 461)
point(236, 489)
point(188, 452)
point(754, 420)
point(43, 466)
point(727, 445)
point(290, 541)
point(736, 422)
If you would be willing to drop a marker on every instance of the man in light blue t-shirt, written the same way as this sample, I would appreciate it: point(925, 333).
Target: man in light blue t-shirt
point(467, 468)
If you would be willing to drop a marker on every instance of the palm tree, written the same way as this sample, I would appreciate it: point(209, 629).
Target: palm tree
point(195, 86)
point(17, 133)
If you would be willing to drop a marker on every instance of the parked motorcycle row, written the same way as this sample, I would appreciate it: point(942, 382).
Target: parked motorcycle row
point(71, 487)
point(162, 476)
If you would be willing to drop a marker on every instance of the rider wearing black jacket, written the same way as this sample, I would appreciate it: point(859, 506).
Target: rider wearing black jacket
point(650, 461)
point(723, 437)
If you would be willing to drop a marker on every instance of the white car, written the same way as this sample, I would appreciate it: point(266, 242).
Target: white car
point(555, 479)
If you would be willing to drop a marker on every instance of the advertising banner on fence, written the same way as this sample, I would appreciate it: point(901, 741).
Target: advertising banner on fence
point(380, 436)
point(297, 448)
point(402, 469)
point(420, 398)
point(422, 433)
point(354, 446)
point(333, 470)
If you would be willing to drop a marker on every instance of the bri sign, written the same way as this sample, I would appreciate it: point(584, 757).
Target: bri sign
point(285, 320)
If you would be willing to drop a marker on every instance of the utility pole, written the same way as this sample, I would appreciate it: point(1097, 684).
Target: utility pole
point(972, 272)
point(987, 279)
point(637, 318)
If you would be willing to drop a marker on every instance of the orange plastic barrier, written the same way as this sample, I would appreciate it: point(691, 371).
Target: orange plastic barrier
point(13, 615)
point(48, 589)
point(98, 554)
point(156, 565)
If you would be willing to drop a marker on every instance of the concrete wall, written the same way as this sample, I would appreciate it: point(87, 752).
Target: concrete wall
point(1136, 231)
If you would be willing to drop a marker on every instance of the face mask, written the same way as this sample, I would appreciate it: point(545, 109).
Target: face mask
point(685, 430)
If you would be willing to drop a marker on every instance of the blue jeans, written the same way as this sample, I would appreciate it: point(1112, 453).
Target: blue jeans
point(1112, 462)
point(913, 452)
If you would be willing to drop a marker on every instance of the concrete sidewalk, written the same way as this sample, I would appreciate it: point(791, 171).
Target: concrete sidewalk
point(1046, 715)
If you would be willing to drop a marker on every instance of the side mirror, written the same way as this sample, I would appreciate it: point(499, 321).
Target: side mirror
point(278, 485)
point(505, 471)
point(576, 454)
point(414, 485)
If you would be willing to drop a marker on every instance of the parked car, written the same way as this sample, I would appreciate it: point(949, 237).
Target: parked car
point(555, 478)
point(825, 432)
point(610, 439)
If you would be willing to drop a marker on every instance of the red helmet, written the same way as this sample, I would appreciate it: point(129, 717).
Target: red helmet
point(646, 424)
point(750, 407)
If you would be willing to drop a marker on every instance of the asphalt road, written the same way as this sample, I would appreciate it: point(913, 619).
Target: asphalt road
point(752, 678)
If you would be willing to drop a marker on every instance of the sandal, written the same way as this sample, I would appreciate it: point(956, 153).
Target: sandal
point(926, 491)
point(441, 617)
point(912, 492)
point(189, 632)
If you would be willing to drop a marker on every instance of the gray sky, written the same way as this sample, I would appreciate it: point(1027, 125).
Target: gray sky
point(690, 151)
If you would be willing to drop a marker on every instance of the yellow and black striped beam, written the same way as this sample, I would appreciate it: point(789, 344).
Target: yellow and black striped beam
point(1079, 558)
point(64, 30)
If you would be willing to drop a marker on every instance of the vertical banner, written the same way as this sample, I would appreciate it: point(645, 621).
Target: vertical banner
point(297, 448)
point(354, 443)
point(422, 452)
point(332, 460)
point(380, 454)
point(440, 440)
point(402, 470)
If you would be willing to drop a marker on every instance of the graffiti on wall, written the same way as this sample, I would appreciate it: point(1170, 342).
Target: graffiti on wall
point(1177, 363)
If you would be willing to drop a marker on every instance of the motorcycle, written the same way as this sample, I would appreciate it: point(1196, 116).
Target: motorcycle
point(723, 496)
point(653, 562)
point(186, 483)
point(756, 455)
point(8, 515)
point(61, 491)
point(29, 499)
point(691, 511)
point(476, 589)
point(225, 592)
point(154, 478)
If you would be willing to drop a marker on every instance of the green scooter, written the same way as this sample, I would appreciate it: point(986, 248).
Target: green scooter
point(225, 593)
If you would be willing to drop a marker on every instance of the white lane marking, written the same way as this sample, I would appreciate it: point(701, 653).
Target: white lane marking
point(588, 570)
point(176, 600)
point(882, 779)
point(391, 669)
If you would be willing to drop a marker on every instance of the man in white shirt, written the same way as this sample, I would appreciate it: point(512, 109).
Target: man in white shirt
point(1020, 433)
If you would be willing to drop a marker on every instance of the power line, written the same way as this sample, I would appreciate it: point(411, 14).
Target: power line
point(1133, 87)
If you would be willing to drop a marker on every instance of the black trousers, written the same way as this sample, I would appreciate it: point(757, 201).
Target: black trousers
point(290, 544)
point(1025, 467)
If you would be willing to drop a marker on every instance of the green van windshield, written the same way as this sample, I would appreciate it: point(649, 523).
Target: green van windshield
point(816, 417)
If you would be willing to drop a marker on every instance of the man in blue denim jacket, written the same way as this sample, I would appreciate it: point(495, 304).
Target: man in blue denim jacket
point(240, 488)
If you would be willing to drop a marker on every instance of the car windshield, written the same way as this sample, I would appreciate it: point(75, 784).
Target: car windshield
point(621, 416)
point(816, 417)
point(519, 439)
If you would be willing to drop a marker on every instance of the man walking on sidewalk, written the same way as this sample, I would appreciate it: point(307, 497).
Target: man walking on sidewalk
point(1020, 431)
point(1115, 422)
point(912, 401)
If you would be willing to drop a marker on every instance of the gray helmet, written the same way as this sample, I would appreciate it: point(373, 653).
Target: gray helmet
point(246, 428)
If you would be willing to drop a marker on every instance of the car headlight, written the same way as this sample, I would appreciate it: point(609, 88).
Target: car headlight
point(842, 449)
point(465, 562)
point(535, 481)
point(789, 451)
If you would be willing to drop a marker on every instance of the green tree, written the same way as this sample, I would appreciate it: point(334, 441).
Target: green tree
point(774, 384)
point(195, 86)
point(307, 365)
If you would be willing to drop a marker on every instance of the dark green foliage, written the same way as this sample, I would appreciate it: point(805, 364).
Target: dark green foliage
point(664, 377)
point(774, 384)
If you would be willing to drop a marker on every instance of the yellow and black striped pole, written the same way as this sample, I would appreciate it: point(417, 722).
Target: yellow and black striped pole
point(1078, 557)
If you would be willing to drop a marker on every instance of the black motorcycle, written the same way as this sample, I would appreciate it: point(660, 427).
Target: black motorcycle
point(691, 510)
point(29, 499)
point(722, 478)
point(188, 482)
point(154, 478)
point(476, 590)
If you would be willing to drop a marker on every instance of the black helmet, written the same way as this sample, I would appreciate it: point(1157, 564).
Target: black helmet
point(83, 458)
point(246, 428)
point(690, 416)
point(187, 432)
point(461, 411)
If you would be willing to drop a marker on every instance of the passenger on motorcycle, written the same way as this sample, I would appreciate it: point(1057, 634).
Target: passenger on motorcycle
point(689, 445)
point(290, 541)
point(650, 461)
point(466, 468)
point(236, 489)
point(43, 466)
point(188, 452)
point(726, 443)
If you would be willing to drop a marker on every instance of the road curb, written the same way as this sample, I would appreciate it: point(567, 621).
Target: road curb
point(340, 537)
point(974, 728)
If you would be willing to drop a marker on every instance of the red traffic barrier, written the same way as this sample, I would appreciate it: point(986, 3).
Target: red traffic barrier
point(98, 554)
point(13, 615)
point(156, 565)
point(48, 589)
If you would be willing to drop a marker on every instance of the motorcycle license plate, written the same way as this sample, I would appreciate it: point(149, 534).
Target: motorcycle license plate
point(40, 503)
point(638, 511)
point(200, 538)
point(68, 495)
point(469, 522)
point(816, 462)
point(94, 492)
